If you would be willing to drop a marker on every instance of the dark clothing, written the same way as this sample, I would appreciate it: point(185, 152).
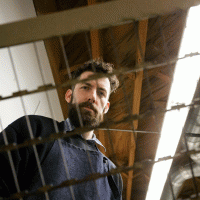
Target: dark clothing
point(53, 168)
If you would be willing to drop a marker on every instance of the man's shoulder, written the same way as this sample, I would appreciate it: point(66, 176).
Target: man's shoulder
point(37, 124)
point(34, 119)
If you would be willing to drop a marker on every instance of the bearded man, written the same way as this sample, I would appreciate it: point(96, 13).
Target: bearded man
point(74, 157)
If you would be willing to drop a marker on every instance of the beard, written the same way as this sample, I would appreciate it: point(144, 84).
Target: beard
point(90, 118)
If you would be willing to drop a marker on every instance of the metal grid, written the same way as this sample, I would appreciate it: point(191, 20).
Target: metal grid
point(130, 118)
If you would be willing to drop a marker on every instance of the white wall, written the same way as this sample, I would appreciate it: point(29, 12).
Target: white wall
point(27, 70)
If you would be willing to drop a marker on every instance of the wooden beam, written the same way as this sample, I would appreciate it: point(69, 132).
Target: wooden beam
point(95, 44)
point(86, 18)
point(142, 29)
point(95, 38)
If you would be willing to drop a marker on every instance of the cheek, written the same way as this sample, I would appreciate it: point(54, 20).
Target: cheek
point(102, 105)
point(78, 98)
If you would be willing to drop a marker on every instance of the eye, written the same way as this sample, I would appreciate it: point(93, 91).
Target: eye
point(85, 87)
point(101, 94)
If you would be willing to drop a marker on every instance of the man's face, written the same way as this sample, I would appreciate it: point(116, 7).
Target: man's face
point(91, 99)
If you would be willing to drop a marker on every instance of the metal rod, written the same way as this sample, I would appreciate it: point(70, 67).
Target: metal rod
point(116, 72)
point(78, 111)
point(53, 118)
point(171, 186)
point(28, 124)
point(91, 58)
point(192, 171)
point(10, 160)
point(137, 131)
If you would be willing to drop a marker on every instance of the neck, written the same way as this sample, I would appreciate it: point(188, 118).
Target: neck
point(88, 135)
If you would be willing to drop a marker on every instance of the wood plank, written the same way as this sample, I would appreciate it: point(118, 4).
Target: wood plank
point(95, 44)
point(95, 38)
point(86, 18)
point(142, 29)
point(163, 77)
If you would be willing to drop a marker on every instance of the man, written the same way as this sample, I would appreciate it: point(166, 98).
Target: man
point(73, 157)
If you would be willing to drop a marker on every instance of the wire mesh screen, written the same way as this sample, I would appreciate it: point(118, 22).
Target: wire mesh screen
point(125, 112)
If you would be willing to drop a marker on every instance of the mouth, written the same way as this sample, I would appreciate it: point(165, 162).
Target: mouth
point(88, 108)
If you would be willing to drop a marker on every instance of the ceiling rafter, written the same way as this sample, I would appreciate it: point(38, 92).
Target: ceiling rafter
point(142, 31)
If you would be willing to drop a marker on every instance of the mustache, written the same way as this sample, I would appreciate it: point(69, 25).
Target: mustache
point(89, 105)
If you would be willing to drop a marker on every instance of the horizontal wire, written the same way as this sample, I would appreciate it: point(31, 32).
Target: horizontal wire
point(79, 131)
point(55, 136)
point(137, 165)
point(82, 130)
point(123, 130)
point(137, 68)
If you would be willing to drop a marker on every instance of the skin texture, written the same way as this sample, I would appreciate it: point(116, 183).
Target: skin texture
point(92, 98)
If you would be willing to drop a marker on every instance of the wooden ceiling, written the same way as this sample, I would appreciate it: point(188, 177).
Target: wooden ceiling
point(154, 41)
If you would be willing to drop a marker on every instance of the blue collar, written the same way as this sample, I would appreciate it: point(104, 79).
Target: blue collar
point(70, 127)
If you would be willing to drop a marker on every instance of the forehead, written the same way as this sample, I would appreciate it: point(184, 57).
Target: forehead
point(102, 82)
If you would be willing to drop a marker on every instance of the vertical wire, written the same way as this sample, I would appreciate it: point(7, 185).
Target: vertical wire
point(29, 125)
point(166, 51)
point(53, 118)
point(192, 171)
point(109, 136)
point(93, 68)
point(36, 108)
point(108, 131)
point(171, 186)
point(77, 108)
point(90, 54)
point(70, 76)
point(10, 160)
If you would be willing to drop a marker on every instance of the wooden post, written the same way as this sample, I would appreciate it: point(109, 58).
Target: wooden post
point(142, 29)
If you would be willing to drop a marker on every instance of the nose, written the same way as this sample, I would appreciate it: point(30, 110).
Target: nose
point(92, 96)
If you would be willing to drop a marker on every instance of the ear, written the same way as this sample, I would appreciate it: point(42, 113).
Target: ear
point(68, 95)
point(107, 107)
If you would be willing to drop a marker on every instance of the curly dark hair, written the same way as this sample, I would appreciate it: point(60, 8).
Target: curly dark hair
point(98, 66)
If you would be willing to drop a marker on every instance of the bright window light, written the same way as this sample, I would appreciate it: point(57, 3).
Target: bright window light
point(186, 76)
